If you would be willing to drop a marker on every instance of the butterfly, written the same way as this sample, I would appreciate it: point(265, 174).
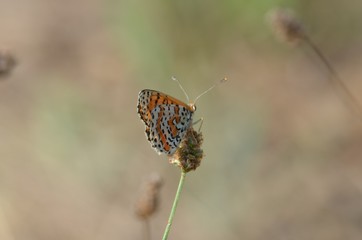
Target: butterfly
point(166, 118)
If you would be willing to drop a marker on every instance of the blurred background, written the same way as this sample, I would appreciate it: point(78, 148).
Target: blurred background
point(282, 151)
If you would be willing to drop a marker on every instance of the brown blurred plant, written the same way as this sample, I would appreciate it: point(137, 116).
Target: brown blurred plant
point(148, 200)
point(286, 26)
point(7, 62)
point(289, 29)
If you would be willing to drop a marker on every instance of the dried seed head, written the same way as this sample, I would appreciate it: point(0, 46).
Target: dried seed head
point(7, 62)
point(189, 154)
point(148, 199)
point(286, 26)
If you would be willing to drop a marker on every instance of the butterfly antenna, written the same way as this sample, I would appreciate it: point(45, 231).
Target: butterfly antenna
point(208, 90)
point(175, 79)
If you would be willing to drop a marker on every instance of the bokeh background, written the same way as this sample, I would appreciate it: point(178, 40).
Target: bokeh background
point(282, 151)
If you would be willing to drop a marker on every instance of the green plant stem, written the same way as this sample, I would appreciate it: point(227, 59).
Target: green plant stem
point(174, 206)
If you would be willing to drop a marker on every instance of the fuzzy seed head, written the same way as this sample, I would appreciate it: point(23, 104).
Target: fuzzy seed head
point(7, 62)
point(189, 154)
point(148, 199)
point(286, 26)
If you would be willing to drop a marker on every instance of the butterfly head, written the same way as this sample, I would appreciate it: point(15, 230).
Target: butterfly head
point(192, 107)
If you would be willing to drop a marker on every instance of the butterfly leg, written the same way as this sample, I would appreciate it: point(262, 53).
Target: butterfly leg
point(200, 120)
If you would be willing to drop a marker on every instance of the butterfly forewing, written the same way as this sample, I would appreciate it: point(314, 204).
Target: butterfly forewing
point(166, 119)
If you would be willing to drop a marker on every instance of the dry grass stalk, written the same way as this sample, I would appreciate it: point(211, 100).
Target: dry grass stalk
point(290, 30)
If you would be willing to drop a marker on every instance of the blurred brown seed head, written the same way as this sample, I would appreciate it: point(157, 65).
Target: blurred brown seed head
point(286, 26)
point(189, 154)
point(7, 62)
point(148, 199)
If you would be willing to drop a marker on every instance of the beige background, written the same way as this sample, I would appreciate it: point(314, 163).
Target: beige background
point(283, 153)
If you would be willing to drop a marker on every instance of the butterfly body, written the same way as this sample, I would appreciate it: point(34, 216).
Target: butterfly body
point(166, 119)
